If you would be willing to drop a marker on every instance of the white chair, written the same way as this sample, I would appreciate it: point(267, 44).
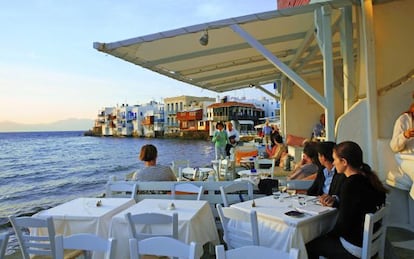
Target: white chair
point(187, 188)
point(255, 252)
point(265, 164)
point(121, 189)
point(237, 187)
point(4, 239)
point(177, 164)
point(162, 246)
point(240, 228)
point(373, 241)
point(36, 245)
point(87, 242)
point(226, 169)
point(149, 220)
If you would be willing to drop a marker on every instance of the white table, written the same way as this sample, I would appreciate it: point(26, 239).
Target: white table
point(203, 172)
point(195, 222)
point(81, 215)
point(280, 231)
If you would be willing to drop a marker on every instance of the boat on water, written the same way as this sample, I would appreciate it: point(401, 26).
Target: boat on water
point(351, 60)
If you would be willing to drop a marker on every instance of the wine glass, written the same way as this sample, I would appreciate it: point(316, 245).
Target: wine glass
point(290, 189)
point(282, 186)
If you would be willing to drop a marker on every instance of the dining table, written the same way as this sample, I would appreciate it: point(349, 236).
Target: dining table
point(284, 223)
point(197, 173)
point(85, 215)
point(195, 223)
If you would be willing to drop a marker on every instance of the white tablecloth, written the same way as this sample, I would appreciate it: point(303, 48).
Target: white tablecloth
point(195, 222)
point(203, 172)
point(280, 231)
point(83, 216)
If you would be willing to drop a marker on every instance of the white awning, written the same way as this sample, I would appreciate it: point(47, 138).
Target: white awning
point(228, 62)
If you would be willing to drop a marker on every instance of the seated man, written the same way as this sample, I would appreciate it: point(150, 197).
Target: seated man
point(328, 181)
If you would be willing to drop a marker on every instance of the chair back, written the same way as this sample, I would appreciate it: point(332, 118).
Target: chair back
point(31, 244)
point(255, 252)
point(86, 242)
point(189, 188)
point(239, 228)
point(162, 246)
point(265, 164)
point(236, 187)
point(4, 239)
point(148, 221)
point(224, 171)
point(373, 241)
point(177, 164)
point(121, 189)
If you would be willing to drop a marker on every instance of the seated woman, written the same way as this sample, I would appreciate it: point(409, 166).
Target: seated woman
point(308, 165)
point(277, 150)
point(152, 171)
point(362, 192)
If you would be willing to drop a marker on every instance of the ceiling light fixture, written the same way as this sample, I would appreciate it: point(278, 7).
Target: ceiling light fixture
point(204, 38)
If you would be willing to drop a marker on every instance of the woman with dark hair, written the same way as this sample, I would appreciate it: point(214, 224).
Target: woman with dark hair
point(152, 171)
point(308, 165)
point(362, 192)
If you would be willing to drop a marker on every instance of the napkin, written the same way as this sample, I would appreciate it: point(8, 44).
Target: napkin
point(313, 209)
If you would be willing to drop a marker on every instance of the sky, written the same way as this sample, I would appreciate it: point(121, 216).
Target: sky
point(49, 70)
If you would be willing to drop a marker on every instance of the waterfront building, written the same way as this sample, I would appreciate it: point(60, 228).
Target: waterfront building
point(183, 103)
point(104, 123)
point(241, 113)
point(150, 120)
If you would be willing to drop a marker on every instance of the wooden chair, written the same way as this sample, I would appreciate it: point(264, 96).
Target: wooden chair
point(255, 252)
point(177, 164)
point(86, 242)
point(225, 170)
point(162, 246)
point(234, 235)
point(149, 220)
point(236, 187)
point(374, 235)
point(121, 189)
point(266, 164)
point(35, 246)
point(4, 239)
point(189, 188)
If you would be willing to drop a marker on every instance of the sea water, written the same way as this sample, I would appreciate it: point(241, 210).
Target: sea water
point(39, 170)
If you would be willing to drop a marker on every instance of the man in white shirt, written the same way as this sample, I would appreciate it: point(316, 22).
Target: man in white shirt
point(402, 143)
point(234, 138)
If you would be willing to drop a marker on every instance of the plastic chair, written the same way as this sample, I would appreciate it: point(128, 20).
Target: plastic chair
point(236, 187)
point(162, 246)
point(255, 252)
point(234, 223)
point(149, 220)
point(87, 242)
point(121, 189)
point(267, 164)
point(33, 244)
point(373, 241)
point(187, 188)
point(4, 239)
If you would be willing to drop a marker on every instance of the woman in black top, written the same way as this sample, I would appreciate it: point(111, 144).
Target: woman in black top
point(362, 192)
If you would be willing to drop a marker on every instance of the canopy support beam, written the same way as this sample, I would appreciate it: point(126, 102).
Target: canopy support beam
point(279, 65)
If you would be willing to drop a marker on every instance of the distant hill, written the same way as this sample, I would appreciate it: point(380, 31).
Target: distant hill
point(63, 125)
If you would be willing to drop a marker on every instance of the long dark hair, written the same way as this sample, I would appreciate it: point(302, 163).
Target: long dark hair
point(352, 153)
point(310, 150)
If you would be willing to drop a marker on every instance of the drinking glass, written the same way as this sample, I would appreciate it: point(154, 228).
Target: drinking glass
point(302, 200)
point(282, 186)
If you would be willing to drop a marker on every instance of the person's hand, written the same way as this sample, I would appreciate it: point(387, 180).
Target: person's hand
point(326, 200)
point(409, 133)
